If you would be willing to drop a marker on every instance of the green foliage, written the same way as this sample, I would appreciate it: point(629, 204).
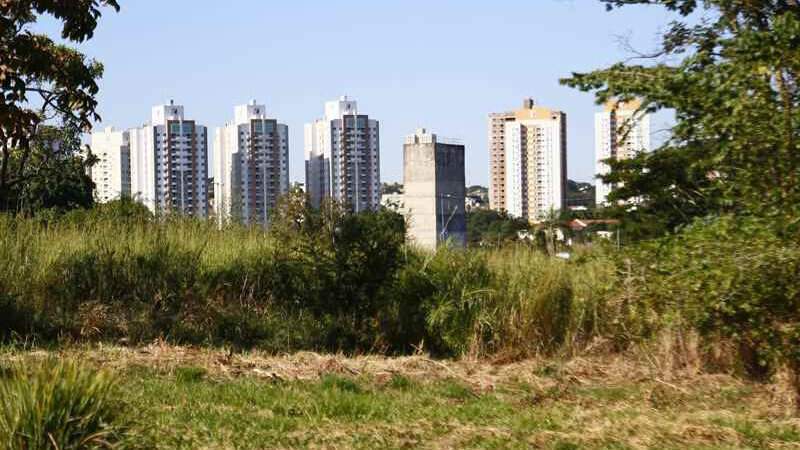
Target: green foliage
point(54, 176)
point(243, 411)
point(734, 147)
point(186, 280)
point(391, 188)
point(34, 70)
point(189, 374)
point(340, 384)
point(400, 382)
point(59, 404)
point(545, 305)
point(677, 186)
point(493, 228)
point(452, 290)
point(580, 194)
point(121, 210)
point(734, 278)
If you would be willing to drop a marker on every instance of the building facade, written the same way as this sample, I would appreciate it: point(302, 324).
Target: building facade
point(342, 153)
point(169, 163)
point(620, 133)
point(528, 161)
point(251, 166)
point(434, 190)
point(112, 172)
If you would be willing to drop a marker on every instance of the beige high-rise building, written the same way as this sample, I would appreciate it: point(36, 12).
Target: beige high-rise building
point(620, 133)
point(112, 173)
point(528, 161)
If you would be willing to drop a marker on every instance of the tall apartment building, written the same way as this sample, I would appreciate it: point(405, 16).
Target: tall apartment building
point(528, 161)
point(169, 163)
point(434, 190)
point(620, 133)
point(251, 165)
point(342, 152)
point(112, 172)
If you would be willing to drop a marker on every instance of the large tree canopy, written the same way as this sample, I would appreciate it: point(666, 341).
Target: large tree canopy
point(42, 80)
point(734, 145)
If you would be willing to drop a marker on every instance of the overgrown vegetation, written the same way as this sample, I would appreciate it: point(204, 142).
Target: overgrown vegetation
point(712, 214)
point(316, 280)
point(709, 270)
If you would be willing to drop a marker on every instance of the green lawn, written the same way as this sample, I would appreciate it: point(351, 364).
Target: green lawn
point(209, 400)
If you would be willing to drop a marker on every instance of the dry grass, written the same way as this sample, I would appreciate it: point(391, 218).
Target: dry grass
point(590, 401)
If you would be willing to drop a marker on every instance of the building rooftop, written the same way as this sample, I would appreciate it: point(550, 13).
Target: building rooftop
point(423, 136)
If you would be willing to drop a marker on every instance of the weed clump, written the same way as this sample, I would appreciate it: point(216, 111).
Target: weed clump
point(59, 404)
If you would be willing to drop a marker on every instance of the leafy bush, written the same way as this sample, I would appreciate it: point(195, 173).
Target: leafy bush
point(440, 302)
point(734, 278)
point(59, 404)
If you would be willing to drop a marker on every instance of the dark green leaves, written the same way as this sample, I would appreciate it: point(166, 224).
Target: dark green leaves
point(734, 92)
point(34, 70)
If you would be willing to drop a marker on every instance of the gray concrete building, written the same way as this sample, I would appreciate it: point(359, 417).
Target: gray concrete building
point(433, 178)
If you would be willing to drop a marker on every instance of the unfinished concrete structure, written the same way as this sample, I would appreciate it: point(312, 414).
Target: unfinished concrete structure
point(433, 179)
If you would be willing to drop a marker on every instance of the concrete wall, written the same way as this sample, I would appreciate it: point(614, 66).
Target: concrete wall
point(451, 193)
point(419, 184)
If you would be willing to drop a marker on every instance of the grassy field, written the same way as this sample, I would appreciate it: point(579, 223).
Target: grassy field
point(363, 291)
point(189, 398)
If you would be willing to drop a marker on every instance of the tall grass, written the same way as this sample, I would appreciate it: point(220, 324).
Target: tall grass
point(58, 405)
point(545, 305)
point(355, 289)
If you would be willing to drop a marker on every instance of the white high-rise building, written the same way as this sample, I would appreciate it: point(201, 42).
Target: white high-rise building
point(112, 172)
point(169, 163)
point(620, 133)
point(528, 161)
point(251, 165)
point(342, 153)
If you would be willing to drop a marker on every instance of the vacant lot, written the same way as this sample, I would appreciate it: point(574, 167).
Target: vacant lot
point(187, 398)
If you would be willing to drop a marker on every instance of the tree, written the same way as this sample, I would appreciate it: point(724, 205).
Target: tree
point(41, 80)
point(56, 171)
point(734, 147)
point(492, 227)
point(580, 194)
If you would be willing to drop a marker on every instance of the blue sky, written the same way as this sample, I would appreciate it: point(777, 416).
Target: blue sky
point(442, 64)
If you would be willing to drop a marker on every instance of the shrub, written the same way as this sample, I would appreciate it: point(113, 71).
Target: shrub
point(59, 404)
point(734, 278)
point(439, 301)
